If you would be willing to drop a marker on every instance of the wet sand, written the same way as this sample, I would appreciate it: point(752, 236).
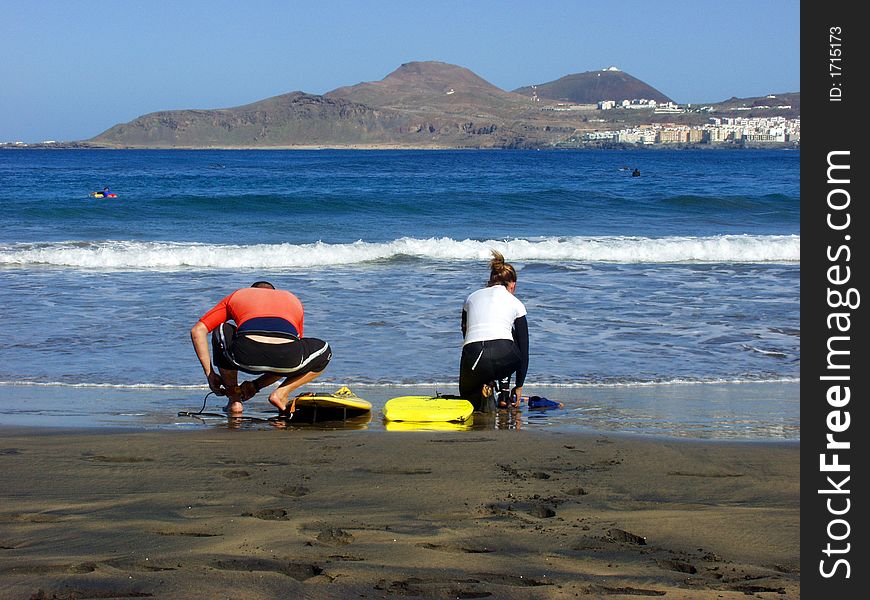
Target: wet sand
point(224, 513)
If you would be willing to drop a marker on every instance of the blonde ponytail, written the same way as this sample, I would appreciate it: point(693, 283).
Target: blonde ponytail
point(500, 272)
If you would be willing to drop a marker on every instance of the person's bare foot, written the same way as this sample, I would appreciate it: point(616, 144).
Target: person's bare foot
point(279, 400)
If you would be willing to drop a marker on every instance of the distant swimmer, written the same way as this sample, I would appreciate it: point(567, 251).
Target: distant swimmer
point(635, 173)
point(104, 194)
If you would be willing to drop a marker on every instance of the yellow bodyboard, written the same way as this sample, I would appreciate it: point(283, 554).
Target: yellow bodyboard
point(342, 398)
point(427, 409)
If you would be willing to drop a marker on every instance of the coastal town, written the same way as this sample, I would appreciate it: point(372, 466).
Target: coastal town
point(655, 119)
point(719, 130)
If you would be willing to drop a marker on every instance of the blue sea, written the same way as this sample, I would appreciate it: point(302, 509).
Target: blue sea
point(663, 304)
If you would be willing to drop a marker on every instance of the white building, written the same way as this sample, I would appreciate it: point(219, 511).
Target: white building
point(639, 103)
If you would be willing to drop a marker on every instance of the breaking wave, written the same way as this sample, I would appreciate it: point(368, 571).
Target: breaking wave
point(135, 255)
point(618, 383)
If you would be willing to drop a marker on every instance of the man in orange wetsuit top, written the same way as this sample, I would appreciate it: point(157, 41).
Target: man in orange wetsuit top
point(264, 339)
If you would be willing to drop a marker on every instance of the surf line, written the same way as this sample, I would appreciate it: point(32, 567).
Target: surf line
point(841, 299)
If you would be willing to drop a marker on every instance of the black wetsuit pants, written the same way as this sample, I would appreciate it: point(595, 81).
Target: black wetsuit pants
point(483, 362)
point(235, 351)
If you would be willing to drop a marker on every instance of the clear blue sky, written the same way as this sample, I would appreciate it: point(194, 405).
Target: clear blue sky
point(70, 69)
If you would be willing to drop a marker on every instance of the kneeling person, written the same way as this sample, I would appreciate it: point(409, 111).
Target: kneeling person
point(265, 339)
point(496, 335)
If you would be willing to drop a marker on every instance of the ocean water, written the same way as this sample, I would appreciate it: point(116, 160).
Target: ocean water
point(686, 278)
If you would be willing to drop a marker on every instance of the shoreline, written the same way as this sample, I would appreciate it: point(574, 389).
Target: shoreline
point(330, 514)
point(745, 411)
point(433, 147)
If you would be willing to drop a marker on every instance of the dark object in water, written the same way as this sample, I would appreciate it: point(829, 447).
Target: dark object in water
point(541, 402)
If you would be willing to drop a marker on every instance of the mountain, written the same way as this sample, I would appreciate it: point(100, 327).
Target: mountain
point(434, 87)
point(299, 118)
point(593, 87)
point(420, 104)
point(425, 105)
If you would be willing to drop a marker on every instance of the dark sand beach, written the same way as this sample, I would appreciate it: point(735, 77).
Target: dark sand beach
point(340, 514)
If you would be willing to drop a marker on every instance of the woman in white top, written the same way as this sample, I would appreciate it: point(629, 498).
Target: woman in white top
point(496, 336)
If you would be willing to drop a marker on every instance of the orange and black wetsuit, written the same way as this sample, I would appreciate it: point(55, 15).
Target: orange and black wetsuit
point(263, 312)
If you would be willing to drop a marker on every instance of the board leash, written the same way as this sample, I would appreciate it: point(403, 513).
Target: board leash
point(187, 413)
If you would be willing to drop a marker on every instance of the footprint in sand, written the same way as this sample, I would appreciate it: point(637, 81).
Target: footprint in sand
point(678, 566)
point(542, 511)
point(510, 580)
point(169, 532)
point(235, 474)
point(603, 590)
point(297, 571)
point(294, 491)
point(74, 568)
point(268, 514)
point(334, 536)
point(139, 566)
point(620, 535)
point(456, 548)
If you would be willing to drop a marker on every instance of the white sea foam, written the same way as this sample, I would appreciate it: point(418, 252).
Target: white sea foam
point(123, 254)
point(114, 386)
point(434, 385)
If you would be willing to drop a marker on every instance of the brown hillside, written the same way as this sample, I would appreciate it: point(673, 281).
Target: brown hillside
point(286, 120)
point(594, 86)
point(435, 87)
